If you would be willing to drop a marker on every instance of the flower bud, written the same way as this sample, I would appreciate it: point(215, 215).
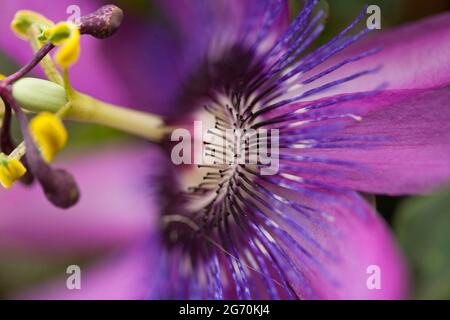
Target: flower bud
point(102, 23)
point(60, 188)
point(39, 95)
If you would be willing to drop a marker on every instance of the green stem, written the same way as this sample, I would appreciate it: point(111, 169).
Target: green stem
point(86, 109)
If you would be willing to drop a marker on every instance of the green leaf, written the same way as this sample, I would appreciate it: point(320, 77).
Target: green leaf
point(423, 229)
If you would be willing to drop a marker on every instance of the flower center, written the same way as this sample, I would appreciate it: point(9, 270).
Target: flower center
point(232, 149)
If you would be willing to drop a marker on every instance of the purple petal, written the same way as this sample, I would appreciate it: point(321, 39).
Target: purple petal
point(413, 56)
point(115, 205)
point(403, 147)
point(333, 237)
point(288, 239)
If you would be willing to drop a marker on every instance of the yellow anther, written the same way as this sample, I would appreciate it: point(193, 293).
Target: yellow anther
point(56, 34)
point(66, 35)
point(2, 76)
point(24, 19)
point(10, 171)
point(49, 133)
point(70, 51)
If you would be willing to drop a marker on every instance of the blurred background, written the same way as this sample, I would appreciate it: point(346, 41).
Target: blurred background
point(421, 224)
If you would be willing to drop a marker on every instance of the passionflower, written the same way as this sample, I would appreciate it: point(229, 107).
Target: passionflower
point(355, 115)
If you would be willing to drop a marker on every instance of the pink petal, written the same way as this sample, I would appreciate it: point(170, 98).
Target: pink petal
point(413, 155)
point(122, 277)
point(116, 205)
point(360, 242)
point(413, 56)
point(334, 240)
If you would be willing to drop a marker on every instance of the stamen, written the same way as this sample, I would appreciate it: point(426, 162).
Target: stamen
point(10, 171)
point(59, 186)
point(49, 134)
point(67, 36)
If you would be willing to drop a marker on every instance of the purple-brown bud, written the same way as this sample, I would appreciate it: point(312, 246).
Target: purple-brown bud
point(102, 23)
point(59, 186)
